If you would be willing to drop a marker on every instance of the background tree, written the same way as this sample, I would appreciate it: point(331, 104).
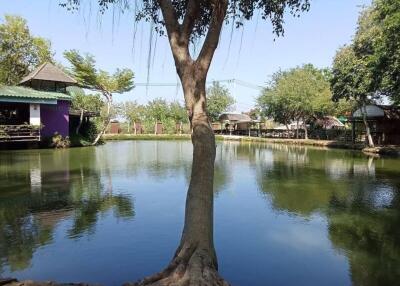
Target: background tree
point(353, 80)
point(84, 102)
point(83, 69)
point(178, 114)
point(298, 94)
point(157, 111)
point(20, 52)
point(133, 113)
point(387, 46)
point(195, 261)
point(219, 100)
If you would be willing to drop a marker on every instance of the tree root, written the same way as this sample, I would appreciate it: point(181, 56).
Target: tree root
point(190, 267)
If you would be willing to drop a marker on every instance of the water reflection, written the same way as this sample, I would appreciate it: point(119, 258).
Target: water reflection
point(41, 189)
point(359, 198)
point(277, 206)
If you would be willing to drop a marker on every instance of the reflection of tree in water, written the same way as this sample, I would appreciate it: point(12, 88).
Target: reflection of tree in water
point(70, 188)
point(360, 198)
point(368, 231)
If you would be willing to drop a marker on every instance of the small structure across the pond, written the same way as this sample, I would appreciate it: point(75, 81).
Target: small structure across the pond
point(383, 120)
point(237, 124)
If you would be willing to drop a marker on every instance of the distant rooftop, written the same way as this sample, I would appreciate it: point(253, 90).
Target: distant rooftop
point(233, 116)
point(49, 72)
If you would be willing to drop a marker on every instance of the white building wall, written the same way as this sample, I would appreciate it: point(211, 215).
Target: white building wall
point(34, 114)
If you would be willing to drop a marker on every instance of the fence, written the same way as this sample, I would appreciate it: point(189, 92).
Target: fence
point(19, 133)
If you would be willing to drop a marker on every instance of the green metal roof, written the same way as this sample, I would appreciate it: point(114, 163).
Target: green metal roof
point(24, 94)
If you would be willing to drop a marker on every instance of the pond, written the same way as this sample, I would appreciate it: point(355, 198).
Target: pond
point(284, 215)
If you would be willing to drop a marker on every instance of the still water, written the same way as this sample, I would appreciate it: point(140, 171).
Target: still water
point(283, 215)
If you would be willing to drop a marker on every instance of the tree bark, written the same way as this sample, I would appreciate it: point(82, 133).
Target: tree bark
point(367, 129)
point(195, 260)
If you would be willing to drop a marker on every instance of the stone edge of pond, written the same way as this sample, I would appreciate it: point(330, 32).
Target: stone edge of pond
point(15, 282)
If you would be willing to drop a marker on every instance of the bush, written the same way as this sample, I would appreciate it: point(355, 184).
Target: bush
point(58, 141)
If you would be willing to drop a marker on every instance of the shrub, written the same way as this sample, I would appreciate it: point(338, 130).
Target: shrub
point(58, 141)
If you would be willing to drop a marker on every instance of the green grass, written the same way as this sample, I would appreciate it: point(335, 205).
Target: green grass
point(110, 137)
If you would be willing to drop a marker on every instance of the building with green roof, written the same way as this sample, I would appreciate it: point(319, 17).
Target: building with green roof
point(40, 103)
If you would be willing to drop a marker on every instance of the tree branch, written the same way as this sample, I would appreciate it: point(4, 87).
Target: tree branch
point(192, 11)
point(179, 51)
point(214, 31)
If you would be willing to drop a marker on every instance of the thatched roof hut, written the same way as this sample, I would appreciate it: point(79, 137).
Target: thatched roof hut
point(234, 117)
point(329, 122)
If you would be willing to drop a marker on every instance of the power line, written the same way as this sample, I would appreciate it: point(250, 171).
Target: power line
point(175, 84)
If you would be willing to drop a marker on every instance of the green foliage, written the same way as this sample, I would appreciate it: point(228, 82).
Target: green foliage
point(157, 110)
point(387, 46)
point(238, 12)
point(299, 93)
point(177, 112)
point(370, 67)
point(89, 130)
point(82, 101)
point(83, 69)
point(20, 52)
point(132, 111)
point(219, 100)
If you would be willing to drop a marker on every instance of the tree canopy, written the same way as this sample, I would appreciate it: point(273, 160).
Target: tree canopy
point(219, 100)
point(194, 17)
point(369, 66)
point(20, 51)
point(297, 94)
point(83, 69)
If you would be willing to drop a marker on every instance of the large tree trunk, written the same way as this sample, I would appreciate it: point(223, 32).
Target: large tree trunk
point(195, 260)
point(367, 129)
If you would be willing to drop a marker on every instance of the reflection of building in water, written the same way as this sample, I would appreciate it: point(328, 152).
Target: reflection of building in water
point(35, 173)
point(342, 168)
point(364, 167)
point(36, 180)
point(338, 168)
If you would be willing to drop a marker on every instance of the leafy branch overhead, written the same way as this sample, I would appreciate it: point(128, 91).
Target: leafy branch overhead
point(196, 16)
point(83, 69)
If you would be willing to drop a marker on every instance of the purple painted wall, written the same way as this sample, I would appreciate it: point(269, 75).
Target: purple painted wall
point(55, 118)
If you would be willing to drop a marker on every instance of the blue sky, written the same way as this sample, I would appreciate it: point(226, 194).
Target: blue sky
point(252, 57)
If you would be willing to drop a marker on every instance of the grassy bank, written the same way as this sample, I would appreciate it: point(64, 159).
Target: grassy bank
point(110, 137)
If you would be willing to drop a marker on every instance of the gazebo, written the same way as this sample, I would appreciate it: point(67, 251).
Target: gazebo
point(383, 120)
point(238, 123)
